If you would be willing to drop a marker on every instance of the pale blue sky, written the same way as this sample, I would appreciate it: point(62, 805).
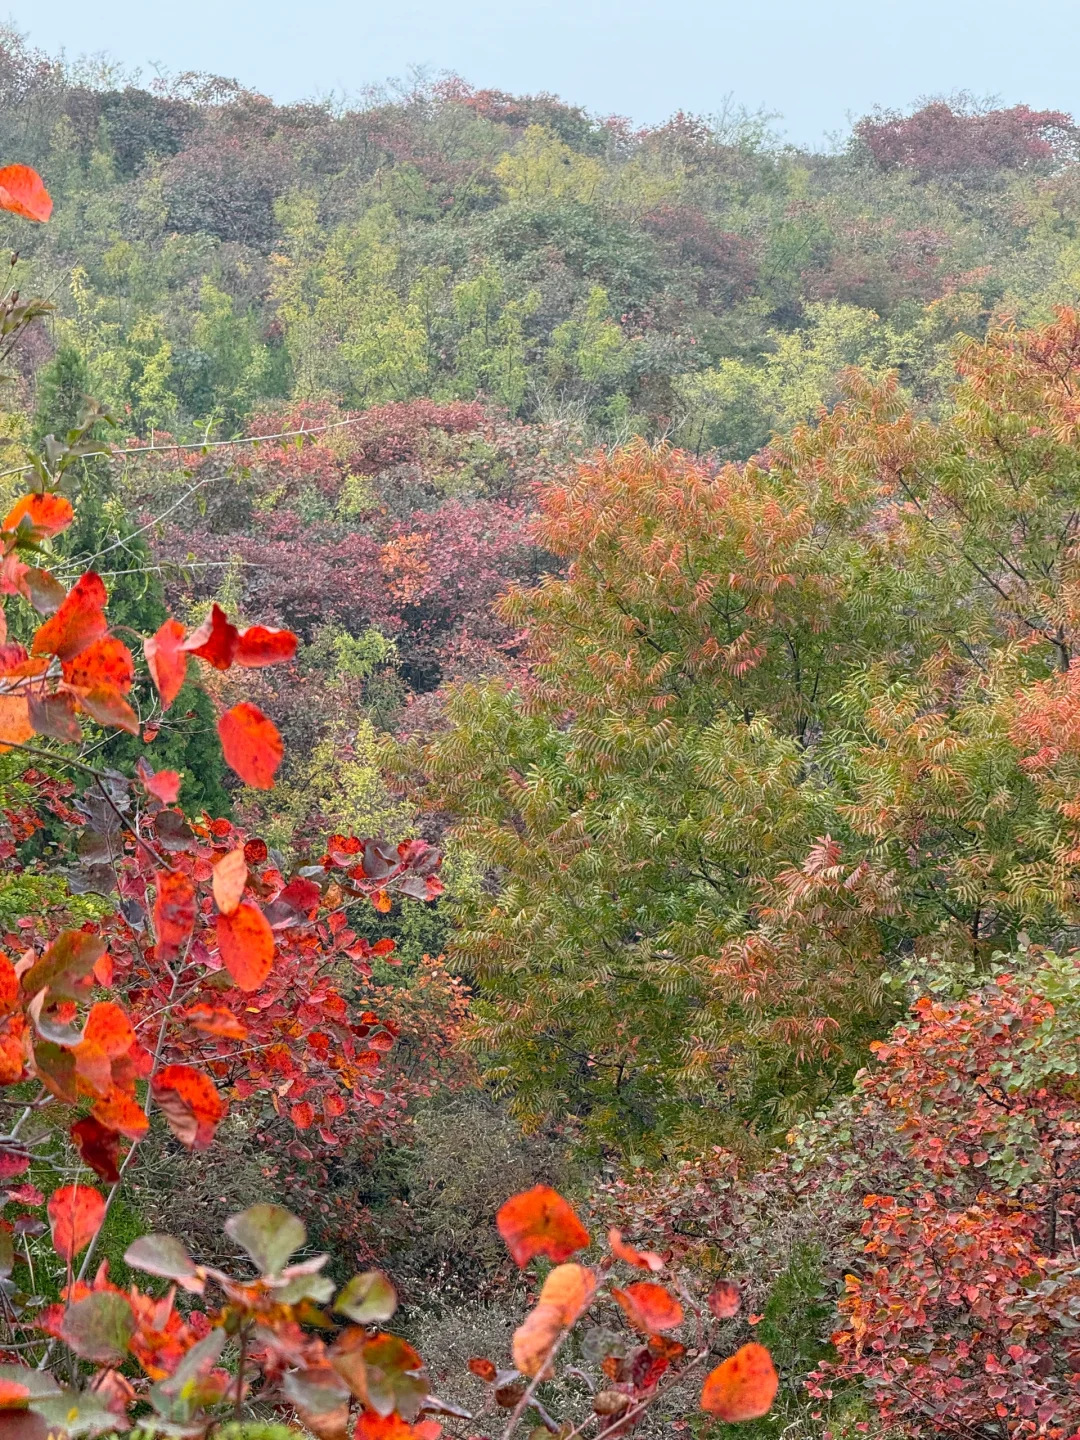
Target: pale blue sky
point(814, 61)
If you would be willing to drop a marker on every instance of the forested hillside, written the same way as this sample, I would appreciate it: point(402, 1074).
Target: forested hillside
point(538, 700)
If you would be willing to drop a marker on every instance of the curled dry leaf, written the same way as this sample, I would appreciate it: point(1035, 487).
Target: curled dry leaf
point(641, 1259)
point(540, 1222)
point(570, 1288)
point(535, 1338)
point(743, 1387)
point(191, 1105)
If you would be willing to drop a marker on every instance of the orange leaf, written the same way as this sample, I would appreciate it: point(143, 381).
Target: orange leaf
point(230, 877)
point(302, 1115)
point(166, 661)
point(215, 1020)
point(48, 513)
point(258, 646)
point(174, 912)
point(370, 1425)
point(108, 1027)
point(23, 192)
point(120, 1111)
point(215, 640)
point(251, 745)
point(78, 622)
point(643, 1259)
point(246, 943)
point(106, 704)
point(14, 1396)
point(483, 1368)
point(743, 1387)
point(540, 1222)
point(106, 662)
point(191, 1105)
point(570, 1288)
point(535, 1338)
point(649, 1307)
point(15, 727)
point(75, 1216)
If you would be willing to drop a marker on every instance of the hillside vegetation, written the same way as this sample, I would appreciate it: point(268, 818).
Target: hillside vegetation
point(547, 657)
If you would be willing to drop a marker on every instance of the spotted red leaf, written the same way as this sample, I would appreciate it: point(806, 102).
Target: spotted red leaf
point(191, 1105)
point(251, 745)
point(540, 1222)
point(174, 912)
point(105, 662)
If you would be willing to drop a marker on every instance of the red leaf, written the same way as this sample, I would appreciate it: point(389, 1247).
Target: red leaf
point(121, 1111)
point(302, 1115)
point(642, 1259)
point(215, 640)
point(191, 1105)
point(302, 895)
point(54, 715)
point(258, 646)
point(79, 621)
point(251, 745)
point(99, 1148)
point(50, 514)
point(163, 785)
point(108, 1027)
point(743, 1387)
point(23, 192)
point(106, 705)
point(174, 912)
point(246, 943)
point(106, 662)
point(215, 1020)
point(166, 661)
point(75, 1216)
point(649, 1307)
point(540, 1222)
point(483, 1368)
point(725, 1298)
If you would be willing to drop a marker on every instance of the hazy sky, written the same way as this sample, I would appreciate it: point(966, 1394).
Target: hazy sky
point(814, 61)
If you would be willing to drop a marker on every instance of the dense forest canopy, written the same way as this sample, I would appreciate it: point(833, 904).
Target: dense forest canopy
point(547, 656)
